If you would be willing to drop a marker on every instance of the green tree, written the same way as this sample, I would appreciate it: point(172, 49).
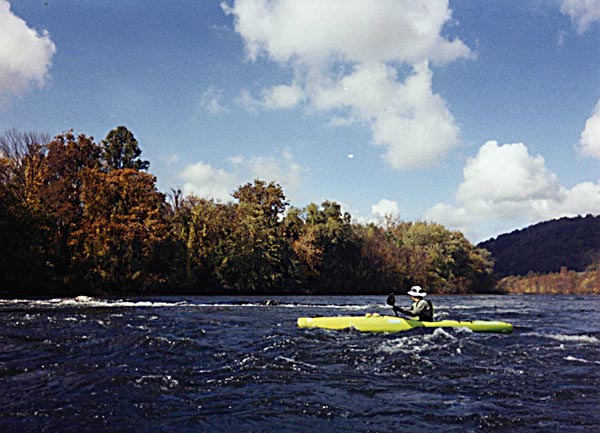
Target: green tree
point(253, 255)
point(261, 200)
point(120, 150)
point(442, 260)
point(201, 228)
point(336, 249)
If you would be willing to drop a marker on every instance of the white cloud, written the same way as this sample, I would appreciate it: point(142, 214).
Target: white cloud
point(504, 188)
point(206, 181)
point(408, 119)
point(282, 96)
point(583, 13)
point(25, 54)
point(247, 101)
point(385, 208)
point(590, 137)
point(416, 127)
point(316, 39)
point(272, 98)
point(506, 173)
point(315, 32)
point(211, 101)
point(282, 169)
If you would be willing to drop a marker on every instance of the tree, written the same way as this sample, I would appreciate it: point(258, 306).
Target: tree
point(335, 247)
point(201, 228)
point(262, 200)
point(123, 242)
point(22, 258)
point(120, 150)
point(254, 252)
point(22, 155)
point(68, 159)
point(441, 260)
point(303, 253)
point(383, 259)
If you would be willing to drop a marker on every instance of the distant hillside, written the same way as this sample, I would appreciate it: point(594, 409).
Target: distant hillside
point(573, 243)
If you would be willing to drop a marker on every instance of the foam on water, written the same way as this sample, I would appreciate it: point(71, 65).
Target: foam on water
point(89, 302)
point(584, 361)
point(575, 338)
point(409, 343)
point(565, 338)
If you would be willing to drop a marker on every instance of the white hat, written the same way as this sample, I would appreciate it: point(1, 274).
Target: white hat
point(417, 291)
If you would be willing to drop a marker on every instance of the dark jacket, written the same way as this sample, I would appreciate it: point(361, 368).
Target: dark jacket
point(423, 309)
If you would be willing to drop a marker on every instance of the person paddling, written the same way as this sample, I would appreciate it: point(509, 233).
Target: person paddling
point(421, 308)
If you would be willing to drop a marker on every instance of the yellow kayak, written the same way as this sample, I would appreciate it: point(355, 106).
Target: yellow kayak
point(377, 323)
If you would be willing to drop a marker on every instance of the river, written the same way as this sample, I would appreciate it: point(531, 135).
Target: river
point(232, 364)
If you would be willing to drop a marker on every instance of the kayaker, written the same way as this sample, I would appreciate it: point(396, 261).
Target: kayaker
point(421, 308)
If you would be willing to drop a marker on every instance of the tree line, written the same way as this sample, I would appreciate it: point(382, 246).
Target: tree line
point(563, 282)
point(81, 217)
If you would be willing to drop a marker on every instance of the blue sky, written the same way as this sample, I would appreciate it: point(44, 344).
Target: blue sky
point(483, 116)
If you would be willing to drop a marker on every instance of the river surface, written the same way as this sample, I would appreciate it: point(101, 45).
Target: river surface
point(228, 364)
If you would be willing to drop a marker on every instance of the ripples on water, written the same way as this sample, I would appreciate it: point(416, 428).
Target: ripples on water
point(228, 364)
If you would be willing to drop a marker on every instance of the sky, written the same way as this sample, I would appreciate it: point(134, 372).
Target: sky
point(481, 116)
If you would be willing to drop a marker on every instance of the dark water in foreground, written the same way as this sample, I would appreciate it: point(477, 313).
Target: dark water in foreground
point(199, 364)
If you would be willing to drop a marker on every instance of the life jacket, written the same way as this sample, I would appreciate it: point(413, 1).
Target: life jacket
point(426, 315)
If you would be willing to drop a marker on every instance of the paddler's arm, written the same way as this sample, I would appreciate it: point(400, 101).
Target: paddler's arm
point(403, 311)
point(414, 311)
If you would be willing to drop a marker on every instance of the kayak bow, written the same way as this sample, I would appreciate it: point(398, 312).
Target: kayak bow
point(377, 323)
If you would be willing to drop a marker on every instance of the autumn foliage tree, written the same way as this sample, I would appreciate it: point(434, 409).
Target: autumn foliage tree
point(68, 159)
point(122, 242)
point(23, 263)
point(81, 217)
point(82, 223)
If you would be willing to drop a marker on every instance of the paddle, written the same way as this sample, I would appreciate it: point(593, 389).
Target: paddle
point(391, 301)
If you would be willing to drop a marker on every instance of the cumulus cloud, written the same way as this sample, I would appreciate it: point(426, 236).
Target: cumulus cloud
point(282, 169)
point(385, 208)
point(407, 118)
point(504, 187)
point(583, 13)
point(345, 56)
point(315, 31)
point(590, 137)
point(282, 96)
point(206, 181)
point(272, 98)
point(25, 54)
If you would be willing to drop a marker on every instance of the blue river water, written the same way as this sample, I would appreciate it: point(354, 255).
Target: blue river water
point(229, 364)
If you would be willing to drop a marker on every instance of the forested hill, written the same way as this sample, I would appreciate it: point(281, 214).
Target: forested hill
point(573, 243)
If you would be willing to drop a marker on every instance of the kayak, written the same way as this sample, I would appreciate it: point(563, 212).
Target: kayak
point(376, 323)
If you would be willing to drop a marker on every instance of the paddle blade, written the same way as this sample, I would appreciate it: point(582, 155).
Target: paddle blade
point(391, 300)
